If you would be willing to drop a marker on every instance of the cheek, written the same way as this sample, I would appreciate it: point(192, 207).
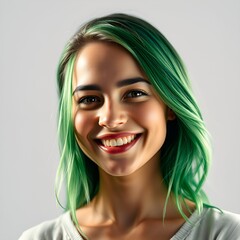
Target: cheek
point(151, 115)
point(82, 124)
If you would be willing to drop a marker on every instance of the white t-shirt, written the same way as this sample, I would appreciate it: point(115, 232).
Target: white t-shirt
point(210, 224)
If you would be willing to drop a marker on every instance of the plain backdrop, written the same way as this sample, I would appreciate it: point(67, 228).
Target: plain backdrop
point(33, 33)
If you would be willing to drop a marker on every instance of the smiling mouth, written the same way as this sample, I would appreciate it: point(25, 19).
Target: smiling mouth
point(119, 144)
point(118, 141)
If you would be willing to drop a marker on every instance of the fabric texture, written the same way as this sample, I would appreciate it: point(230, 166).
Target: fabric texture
point(211, 224)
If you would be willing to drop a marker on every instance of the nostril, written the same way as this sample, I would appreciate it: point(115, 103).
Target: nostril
point(110, 125)
point(112, 117)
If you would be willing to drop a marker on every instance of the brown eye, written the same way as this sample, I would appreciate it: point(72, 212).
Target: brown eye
point(89, 102)
point(135, 94)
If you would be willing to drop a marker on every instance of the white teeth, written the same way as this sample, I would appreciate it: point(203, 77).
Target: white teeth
point(112, 142)
point(118, 141)
point(125, 140)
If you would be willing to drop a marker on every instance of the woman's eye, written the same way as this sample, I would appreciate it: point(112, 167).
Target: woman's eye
point(89, 101)
point(135, 94)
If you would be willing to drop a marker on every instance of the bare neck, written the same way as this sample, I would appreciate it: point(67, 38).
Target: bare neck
point(130, 199)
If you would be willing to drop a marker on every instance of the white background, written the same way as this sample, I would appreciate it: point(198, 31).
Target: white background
point(32, 35)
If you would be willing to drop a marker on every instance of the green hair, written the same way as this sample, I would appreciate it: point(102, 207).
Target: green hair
point(186, 153)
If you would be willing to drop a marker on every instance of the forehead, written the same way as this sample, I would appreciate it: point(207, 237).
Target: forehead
point(100, 60)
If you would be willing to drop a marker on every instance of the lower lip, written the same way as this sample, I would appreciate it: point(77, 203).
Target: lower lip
point(119, 149)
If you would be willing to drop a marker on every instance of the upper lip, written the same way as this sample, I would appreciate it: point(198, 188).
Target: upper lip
point(115, 135)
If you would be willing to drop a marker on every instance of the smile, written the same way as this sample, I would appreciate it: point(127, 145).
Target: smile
point(118, 144)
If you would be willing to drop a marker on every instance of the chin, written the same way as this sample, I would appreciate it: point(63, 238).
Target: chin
point(119, 170)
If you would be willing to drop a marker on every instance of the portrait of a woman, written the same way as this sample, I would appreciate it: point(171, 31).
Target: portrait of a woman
point(135, 151)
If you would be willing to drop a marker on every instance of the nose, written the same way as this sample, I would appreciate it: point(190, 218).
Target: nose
point(112, 115)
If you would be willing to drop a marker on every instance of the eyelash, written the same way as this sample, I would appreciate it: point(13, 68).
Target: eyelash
point(141, 92)
point(86, 98)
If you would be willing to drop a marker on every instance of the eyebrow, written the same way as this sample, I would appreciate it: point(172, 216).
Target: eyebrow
point(121, 83)
point(130, 81)
point(87, 87)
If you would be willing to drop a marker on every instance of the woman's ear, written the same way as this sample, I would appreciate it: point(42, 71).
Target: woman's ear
point(170, 115)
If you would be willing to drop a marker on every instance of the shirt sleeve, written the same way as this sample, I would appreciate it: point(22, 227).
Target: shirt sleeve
point(217, 225)
point(235, 234)
point(61, 228)
point(48, 230)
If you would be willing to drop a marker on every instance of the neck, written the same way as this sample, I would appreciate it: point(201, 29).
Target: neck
point(130, 199)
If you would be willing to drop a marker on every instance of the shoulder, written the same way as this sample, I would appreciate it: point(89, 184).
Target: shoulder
point(216, 224)
point(210, 224)
point(225, 221)
point(222, 217)
point(49, 230)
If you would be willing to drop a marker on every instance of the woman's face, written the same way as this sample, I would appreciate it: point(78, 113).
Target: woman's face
point(120, 123)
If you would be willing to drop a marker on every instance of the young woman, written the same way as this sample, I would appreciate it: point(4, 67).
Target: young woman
point(135, 150)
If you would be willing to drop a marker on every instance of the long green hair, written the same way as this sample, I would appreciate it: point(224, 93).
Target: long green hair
point(186, 152)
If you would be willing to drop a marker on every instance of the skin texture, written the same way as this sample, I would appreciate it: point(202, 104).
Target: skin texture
point(131, 197)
